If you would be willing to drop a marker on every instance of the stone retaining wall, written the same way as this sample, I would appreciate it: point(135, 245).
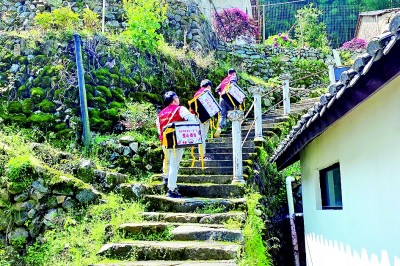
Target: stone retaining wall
point(185, 25)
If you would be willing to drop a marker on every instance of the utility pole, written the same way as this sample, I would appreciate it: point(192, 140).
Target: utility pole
point(103, 16)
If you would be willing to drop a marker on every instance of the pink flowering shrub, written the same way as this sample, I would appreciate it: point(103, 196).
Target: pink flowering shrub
point(280, 40)
point(231, 23)
point(354, 44)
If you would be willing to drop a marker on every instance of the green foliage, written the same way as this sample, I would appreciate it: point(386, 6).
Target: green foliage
point(211, 209)
point(309, 72)
point(280, 40)
point(139, 116)
point(62, 18)
point(46, 106)
point(82, 234)
point(91, 20)
point(255, 252)
point(37, 94)
point(308, 30)
point(145, 18)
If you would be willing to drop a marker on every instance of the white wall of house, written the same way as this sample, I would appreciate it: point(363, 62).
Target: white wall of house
point(207, 8)
point(371, 26)
point(366, 143)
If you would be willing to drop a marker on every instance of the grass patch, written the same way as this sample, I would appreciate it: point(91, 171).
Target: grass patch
point(82, 235)
point(255, 251)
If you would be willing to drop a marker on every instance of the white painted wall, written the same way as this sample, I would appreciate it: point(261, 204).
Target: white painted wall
point(366, 143)
point(208, 9)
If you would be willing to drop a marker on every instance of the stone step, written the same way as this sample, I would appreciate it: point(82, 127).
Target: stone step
point(216, 179)
point(265, 126)
point(217, 218)
point(224, 150)
point(166, 204)
point(220, 156)
point(207, 163)
point(207, 170)
point(151, 227)
point(171, 263)
point(171, 250)
point(184, 232)
point(220, 144)
point(202, 233)
point(200, 190)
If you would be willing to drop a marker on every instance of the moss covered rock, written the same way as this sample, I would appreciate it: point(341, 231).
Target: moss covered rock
point(37, 94)
point(47, 106)
point(14, 107)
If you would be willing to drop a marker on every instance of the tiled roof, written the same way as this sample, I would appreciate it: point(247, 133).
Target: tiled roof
point(368, 74)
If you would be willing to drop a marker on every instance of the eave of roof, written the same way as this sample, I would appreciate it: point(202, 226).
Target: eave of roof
point(369, 73)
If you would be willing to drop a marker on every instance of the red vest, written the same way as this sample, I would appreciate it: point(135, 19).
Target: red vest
point(168, 115)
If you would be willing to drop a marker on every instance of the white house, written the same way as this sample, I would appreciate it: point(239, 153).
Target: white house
point(373, 23)
point(349, 148)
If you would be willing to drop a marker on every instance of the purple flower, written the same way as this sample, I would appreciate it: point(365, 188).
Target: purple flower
point(279, 34)
point(284, 38)
point(275, 44)
point(274, 39)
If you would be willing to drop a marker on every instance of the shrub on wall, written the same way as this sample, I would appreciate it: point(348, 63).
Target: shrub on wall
point(145, 18)
point(354, 44)
point(280, 40)
point(231, 23)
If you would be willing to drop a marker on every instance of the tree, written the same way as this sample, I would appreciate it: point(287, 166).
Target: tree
point(308, 30)
point(145, 18)
point(231, 23)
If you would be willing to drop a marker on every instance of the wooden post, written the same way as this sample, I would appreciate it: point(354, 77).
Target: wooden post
point(236, 117)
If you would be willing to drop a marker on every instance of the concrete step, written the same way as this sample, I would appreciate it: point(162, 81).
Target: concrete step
point(265, 126)
point(166, 204)
point(219, 156)
point(151, 227)
point(202, 233)
point(220, 144)
point(207, 163)
point(224, 150)
point(200, 190)
point(171, 250)
point(184, 232)
point(172, 263)
point(216, 179)
point(207, 170)
point(217, 218)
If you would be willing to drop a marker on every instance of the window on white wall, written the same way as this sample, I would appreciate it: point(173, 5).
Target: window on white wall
point(331, 188)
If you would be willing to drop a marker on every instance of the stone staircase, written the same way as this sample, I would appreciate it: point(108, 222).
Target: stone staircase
point(196, 224)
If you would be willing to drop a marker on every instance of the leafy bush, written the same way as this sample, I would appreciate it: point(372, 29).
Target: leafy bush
point(354, 44)
point(231, 23)
point(62, 18)
point(90, 20)
point(308, 30)
point(139, 116)
point(145, 18)
point(280, 40)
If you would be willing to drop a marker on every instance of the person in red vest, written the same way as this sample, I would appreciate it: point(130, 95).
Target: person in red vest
point(225, 106)
point(172, 113)
point(205, 85)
